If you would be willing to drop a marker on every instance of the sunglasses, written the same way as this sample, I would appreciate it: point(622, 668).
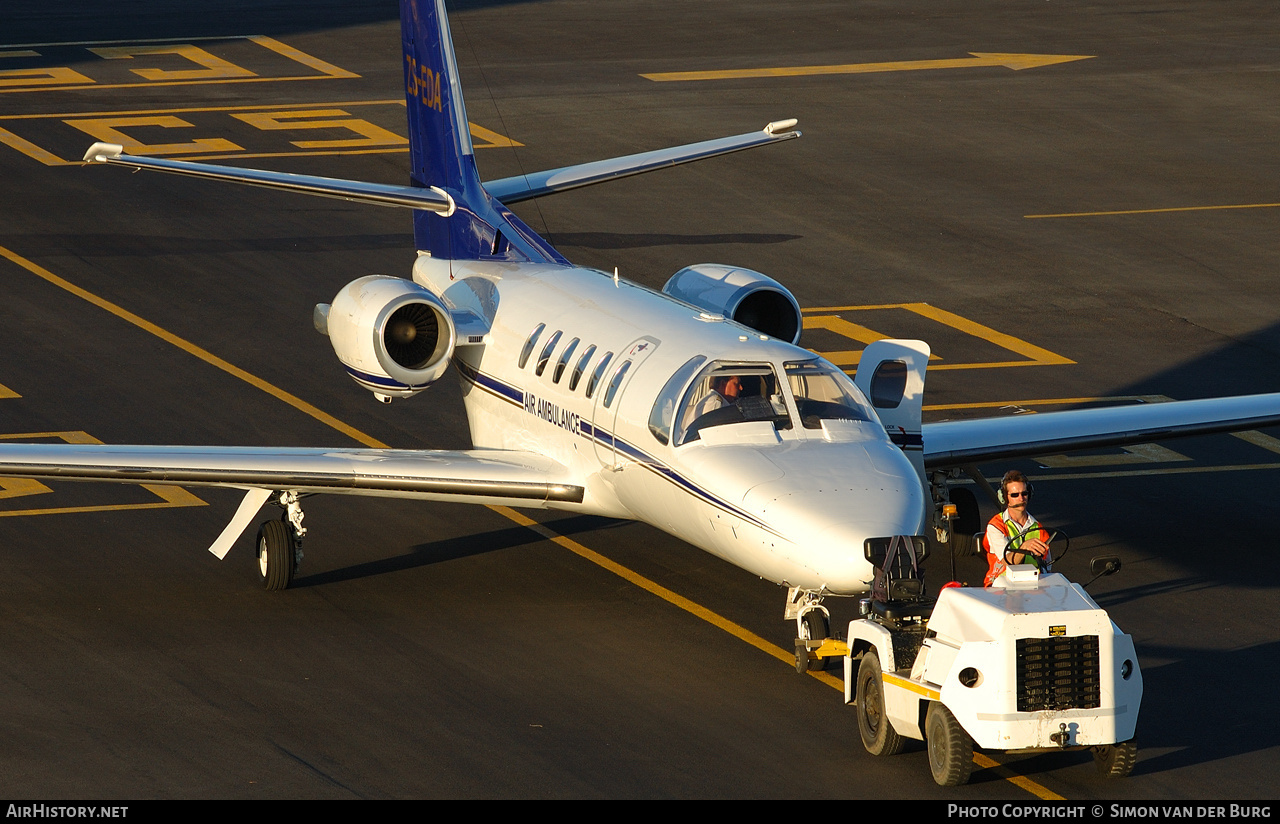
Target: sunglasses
point(1013, 495)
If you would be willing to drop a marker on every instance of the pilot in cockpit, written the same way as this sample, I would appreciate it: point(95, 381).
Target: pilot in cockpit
point(725, 390)
point(734, 395)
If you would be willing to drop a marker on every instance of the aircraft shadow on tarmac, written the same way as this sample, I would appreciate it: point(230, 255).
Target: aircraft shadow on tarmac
point(452, 549)
point(1199, 701)
point(638, 240)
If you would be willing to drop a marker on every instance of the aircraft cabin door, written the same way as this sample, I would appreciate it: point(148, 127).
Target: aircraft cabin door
point(891, 374)
point(608, 399)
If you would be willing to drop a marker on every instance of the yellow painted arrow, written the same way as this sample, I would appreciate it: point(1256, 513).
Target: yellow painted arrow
point(18, 487)
point(1017, 62)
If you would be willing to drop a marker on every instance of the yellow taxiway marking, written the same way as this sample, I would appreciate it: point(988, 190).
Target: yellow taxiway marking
point(297, 56)
point(1017, 62)
point(1257, 438)
point(184, 345)
point(824, 317)
point(1160, 211)
point(6, 392)
point(170, 496)
point(213, 70)
point(207, 149)
point(594, 557)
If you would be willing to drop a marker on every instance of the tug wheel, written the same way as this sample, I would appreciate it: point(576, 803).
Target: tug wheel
point(950, 747)
point(878, 734)
point(1116, 760)
point(275, 555)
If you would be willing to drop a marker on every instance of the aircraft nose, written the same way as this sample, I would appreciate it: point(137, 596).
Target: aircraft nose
point(836, 551)
point(829, 514)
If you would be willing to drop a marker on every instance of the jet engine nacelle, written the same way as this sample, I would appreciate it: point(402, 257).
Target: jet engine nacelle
point(394, 337)
point(750, 298)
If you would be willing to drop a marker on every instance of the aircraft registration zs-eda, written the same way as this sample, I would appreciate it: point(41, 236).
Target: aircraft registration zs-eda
point(691, 408)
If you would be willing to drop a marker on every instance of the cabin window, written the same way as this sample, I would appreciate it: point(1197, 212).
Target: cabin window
point(546, 354)
point(564, 359)
point(825, 393)
point(615, 383)
point(725, 393)
point(582, 365)
point(596, 375)
point(664, 410)
point(529, 344)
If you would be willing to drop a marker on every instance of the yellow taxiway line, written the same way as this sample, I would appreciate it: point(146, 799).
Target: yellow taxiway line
point(1017, 62)
point(1160, 211)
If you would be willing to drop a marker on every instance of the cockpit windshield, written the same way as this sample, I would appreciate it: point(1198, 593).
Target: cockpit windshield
point(725, 393)
point(825, 393)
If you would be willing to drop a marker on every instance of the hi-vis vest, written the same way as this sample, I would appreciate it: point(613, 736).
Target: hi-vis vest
point(1008, 527)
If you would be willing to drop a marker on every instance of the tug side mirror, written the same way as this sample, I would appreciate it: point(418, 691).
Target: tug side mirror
point(1104, 565)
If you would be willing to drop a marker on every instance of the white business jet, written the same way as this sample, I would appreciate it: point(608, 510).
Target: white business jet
point(690, 408)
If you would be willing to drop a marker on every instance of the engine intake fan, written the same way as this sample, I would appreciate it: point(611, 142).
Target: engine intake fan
point(394, 337)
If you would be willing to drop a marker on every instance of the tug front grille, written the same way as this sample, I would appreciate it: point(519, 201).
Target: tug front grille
point(1058, 673)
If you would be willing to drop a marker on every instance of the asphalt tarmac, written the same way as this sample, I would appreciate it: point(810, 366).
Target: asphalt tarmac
point(1081, 232)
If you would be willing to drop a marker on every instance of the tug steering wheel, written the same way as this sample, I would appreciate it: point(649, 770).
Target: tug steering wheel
point(1045, 563)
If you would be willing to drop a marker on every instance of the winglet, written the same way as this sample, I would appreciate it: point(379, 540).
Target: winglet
point(102, 152)
point(780, 126)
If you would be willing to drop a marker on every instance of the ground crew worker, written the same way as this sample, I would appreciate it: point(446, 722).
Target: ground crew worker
point(1014, 529)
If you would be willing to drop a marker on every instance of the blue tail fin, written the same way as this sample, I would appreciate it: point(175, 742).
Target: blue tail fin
point(441, 153)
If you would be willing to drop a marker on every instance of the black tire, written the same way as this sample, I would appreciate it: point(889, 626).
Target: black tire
point(968, 516)
point(275, 555)
point(817, 628)
point(878, 734)
point(1117, 760)
point(950, 747)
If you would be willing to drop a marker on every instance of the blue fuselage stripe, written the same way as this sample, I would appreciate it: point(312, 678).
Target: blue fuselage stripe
point(590, 431)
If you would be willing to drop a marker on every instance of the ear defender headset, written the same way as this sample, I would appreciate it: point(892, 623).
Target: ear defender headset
point(1013, 476)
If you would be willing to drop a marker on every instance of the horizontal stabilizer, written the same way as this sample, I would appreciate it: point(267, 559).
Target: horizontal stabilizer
point(409, 197)
point(526, 187)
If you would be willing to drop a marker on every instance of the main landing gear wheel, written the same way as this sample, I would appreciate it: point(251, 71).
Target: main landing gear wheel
point(813, 626)
point(950, 747)
point(1116, 760)
point(878, 734)
point(276, 559)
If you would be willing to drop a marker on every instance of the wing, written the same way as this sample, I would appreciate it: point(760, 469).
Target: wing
point(477, 476)
point(526, 187)
point(955, 443)
point(480, 476)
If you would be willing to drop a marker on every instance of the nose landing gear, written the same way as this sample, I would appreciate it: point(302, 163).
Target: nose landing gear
point(814, 644)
